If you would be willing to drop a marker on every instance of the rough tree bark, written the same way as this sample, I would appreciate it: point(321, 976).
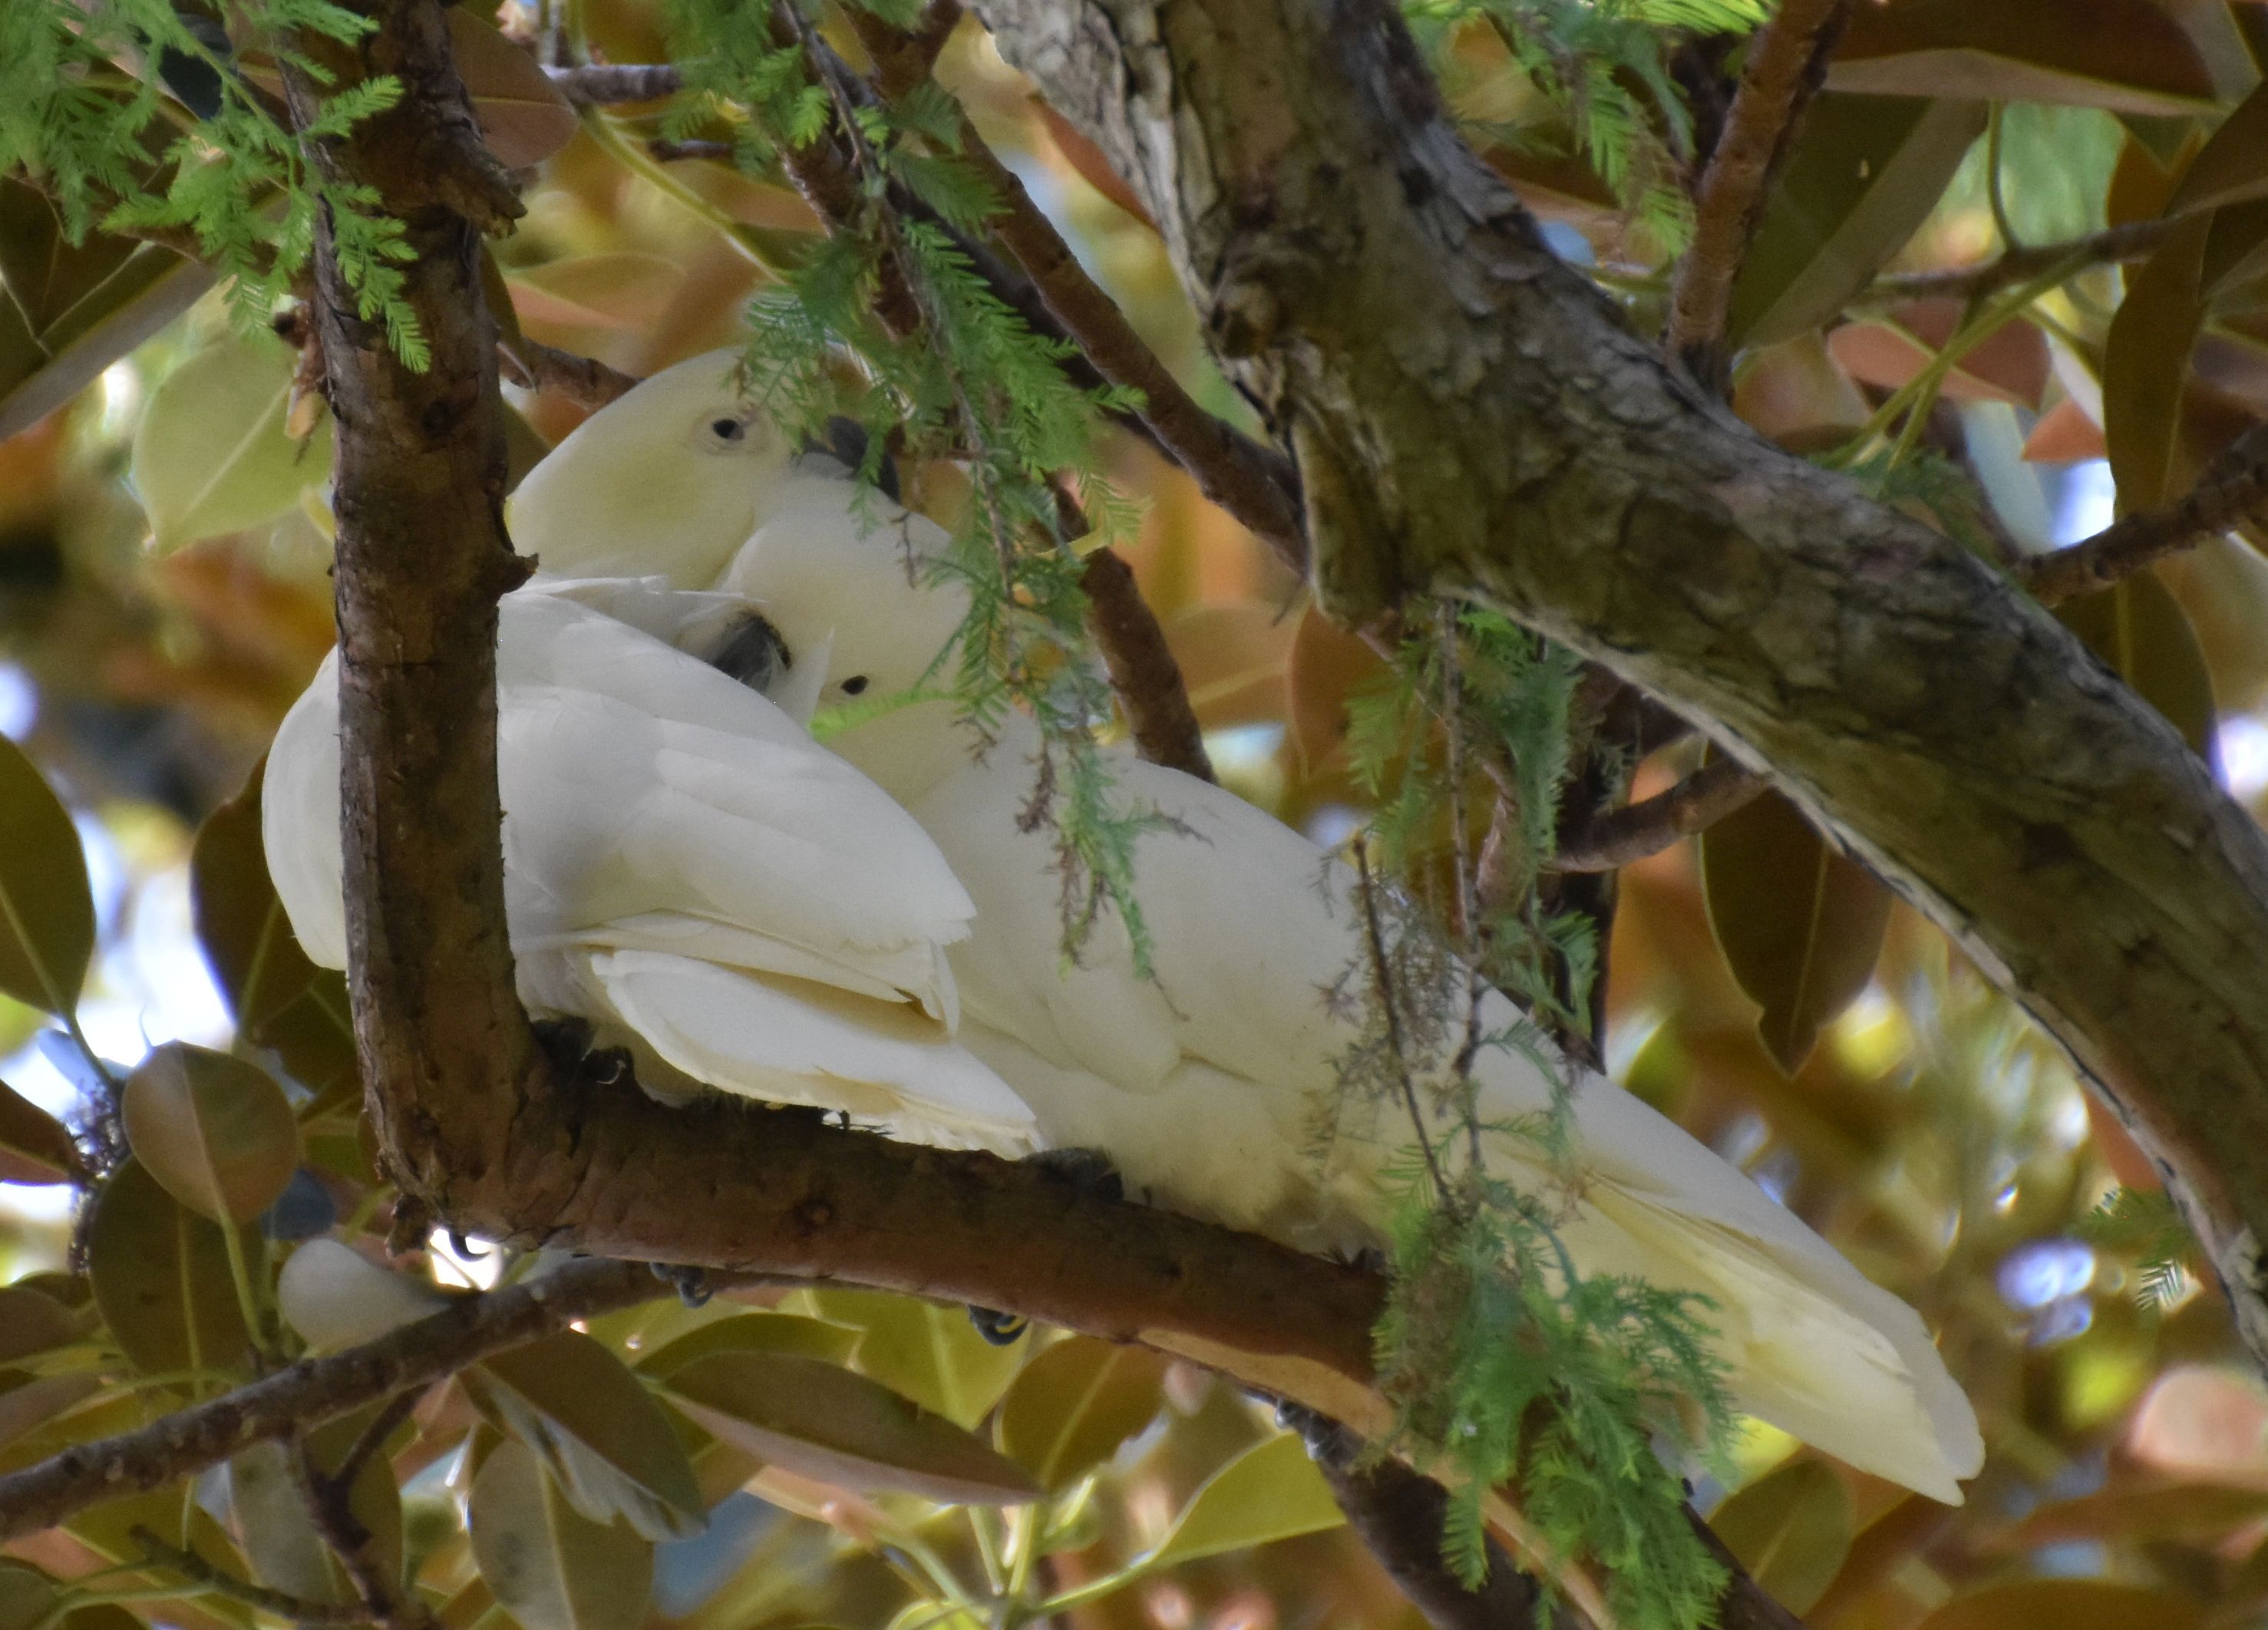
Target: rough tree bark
point(1469, 417)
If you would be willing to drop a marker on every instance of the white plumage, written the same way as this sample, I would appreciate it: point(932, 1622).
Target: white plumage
point(1199, 1085)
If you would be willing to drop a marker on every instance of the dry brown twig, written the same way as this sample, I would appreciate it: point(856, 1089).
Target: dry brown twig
point(2234, 488)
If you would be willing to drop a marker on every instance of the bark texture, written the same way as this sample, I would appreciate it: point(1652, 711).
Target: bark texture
point(1469, 417)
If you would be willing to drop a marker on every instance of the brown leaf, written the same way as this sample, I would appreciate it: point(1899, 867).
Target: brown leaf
point(1790, 1530)
point(2233, 164)
point(1087, 159)
point(34, 1147)
point(524, 117)
point(1797, 393)
point(823, 1421)
point(1865, 173)
point(217, 1133)
point(161, 1278)
point(47, 912)
point(1232, 657)
point(2141, 634)
point(1327, 663)
point(2064, 433)
point(2068, 1605)
point(2009, 366)
point(281, 999)
point(2127, 56)
point(1799, 923)
point(1073, 1406)
point(620, 288)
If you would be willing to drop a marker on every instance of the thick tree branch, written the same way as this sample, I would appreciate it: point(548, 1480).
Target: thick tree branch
point(1469, 417)
point(313, 1392)
point(1635, 831)
point(1787, 62)
point(2233, 488)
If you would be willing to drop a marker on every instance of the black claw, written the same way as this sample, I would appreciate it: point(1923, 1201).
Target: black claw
point(1000, 1329)
point(692, 1283)
point(1088, 1170)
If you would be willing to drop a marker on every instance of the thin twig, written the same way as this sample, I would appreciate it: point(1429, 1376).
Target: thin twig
point(313, 1391)
point(602, 85)
point(535, 366)
point(1787, 61)
point(2233, 488)
point(1637, 830)
point(1143, 672)
point(1389, 1005)
point(2129, 242)
point(189, 1564)
point(330, 1500)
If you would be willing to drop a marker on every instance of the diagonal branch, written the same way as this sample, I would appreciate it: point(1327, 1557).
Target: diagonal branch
point(2233, 488)
point(1787, 62)
point(2129, 242)
point(1635, 831)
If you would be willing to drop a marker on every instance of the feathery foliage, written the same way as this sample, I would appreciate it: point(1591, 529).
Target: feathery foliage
point(113, 150)
point(1507, 1365)
point(2145, 1224)
point(1601, 67)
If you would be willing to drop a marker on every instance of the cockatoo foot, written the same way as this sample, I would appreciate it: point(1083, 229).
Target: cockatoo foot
point(1088, 1170)
point(691, 1283)
point(572, 1045)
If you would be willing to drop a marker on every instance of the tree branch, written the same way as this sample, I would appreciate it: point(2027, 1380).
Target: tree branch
point(534, 365)
point(1618, 837)
point(1787, 62)
point(2233, 488)
point(1143, 673)
point(313, 1392)
point(601, 84)
point(1471, 417)
point(2129, 242)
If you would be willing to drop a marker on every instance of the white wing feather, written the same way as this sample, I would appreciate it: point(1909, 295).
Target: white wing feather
point(674, 843)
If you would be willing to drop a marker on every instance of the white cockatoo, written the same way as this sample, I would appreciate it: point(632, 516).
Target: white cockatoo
point(686, 869)
point(1199, 1083)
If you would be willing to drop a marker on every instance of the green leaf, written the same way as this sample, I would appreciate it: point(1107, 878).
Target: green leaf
point(2146, 359)
point(930, 1353)
point(1799, 923)
point(161, 1278)
point(2232, 165)
point(32, 1323)
point(211, 456)
point(27, 1595)
point(1791, 1530)
point(1070, 1408)
point(281, 999)
point(217, 1133)
point(1865, 174)
point(2128, 55)
point(2140, 632)
point(823, 1421)
point(46, 911)
point(1270, 1492)
point(34, 1146)
point(609, 1443)
point(551, 1566)
point(68, 312)
point(753, 1333)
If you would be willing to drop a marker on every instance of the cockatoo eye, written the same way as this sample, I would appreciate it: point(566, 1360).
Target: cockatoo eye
point(854, 685)
point(724, 433)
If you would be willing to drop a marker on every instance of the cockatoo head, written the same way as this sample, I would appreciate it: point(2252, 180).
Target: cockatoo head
point(668, 480)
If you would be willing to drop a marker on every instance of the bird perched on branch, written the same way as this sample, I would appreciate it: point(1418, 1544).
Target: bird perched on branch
point(1200, 1081)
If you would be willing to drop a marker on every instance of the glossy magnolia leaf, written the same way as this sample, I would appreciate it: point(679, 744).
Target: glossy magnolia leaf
point(1866, 172)
point(1799, 923)
point(28, 1596)
point(336, 1297)
point(29, 1403)
point(1791, 1530)
point(215, 1132)
point(2128, 55)
point(2235, 261)
point(1071, 1407)
point(2136, 1512)
point(622, 288)
point(1797, 394)
point(211, 455)
point(2144, 360)
point(161, 1278)
point(1326, 666)
point(2069, 1605)
point(823, 1421)
point(32, 1323)
point(1232, 657)
point(2233, 164)
point(2066, 433)
point(281, 1000)
point(273, 1527)
point(550, 1567)
point(753, 1333)
point(2140, 632)
point(609, 1444)
point(524, 117)
point(1270, 1492)
point(930, 1353)
point(2009, 366)
point(46, 911)
point(34, 1146)
point(69, 312)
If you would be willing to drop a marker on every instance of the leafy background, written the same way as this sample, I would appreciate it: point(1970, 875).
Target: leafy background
point(163, 597)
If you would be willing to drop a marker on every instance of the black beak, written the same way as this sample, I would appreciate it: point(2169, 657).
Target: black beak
point(752, 653)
